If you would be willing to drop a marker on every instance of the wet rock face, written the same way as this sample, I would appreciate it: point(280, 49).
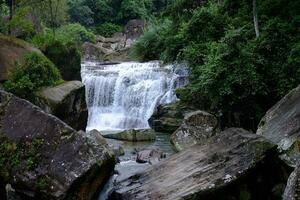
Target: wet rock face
point(292, 190)
point(229, 165)
point(67, 102)
point(44, 158)
point(133, 135)
point(168, 118)
point(197, 127)
point(281, 125)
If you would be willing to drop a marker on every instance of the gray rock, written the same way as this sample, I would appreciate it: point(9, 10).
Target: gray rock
point(44, 158)
point(281, 125)
point(134, 28)
point(67, 102)
point(168, 118)
point(292, 190)
point(133, 135)
point(151, 156)
point(224, 168)
point(197, 127)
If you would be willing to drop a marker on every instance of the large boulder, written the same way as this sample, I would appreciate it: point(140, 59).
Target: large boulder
point(12, 51)
point(168, 118)
point(151, 156)
point(133, 135)
point(106, 51)
point(67, 102)
point(232, 165)
point(197, 127)
point(44, 158)
point(281, 125)
point(292, 190)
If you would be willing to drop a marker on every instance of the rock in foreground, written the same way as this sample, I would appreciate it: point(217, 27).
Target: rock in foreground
point(133, 135)
point(197, 127)
point(281, 125)
point(167, 118)
point(231, 164)
point(44, 158)
point(292, 190)
point(67, 102)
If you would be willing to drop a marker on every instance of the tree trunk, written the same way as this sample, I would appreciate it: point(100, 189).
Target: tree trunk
point(10, 4)
point(255, 18)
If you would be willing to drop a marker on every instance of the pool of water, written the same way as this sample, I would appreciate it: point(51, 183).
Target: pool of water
point(127, 165)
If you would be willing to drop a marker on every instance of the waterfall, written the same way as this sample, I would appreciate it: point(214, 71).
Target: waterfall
point(124, 96)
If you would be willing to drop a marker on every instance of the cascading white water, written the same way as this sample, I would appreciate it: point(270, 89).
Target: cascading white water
point(124, 96)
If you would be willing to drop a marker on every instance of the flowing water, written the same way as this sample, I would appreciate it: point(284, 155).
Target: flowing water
point(124, 96)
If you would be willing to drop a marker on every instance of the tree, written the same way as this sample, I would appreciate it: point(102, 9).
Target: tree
point(255, 18)
point(81, 13)
point(53, 13)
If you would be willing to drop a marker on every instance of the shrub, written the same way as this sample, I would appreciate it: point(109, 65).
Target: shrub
point(20, 25)
point(36, 72)
point(108, 29)
point(145, 48)
point(75, 33)
point(66, 57)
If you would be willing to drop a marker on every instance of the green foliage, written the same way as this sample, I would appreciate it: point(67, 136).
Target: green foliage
point(36, 72)
point(95, 12)
point(108, 29)
point(132, 9)
point(81, 13)
point(53, 13)
point(237, 75)
point(71, 33)
point(21, 25)
point(146, 47)
point(3, 13)
point(42, 183)
point(66, 57)
point(76, 33)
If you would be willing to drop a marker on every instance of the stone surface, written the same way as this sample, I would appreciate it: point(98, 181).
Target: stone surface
point(67, 102)
point(134, 28)
point(12, 51)
point(115, 48)
point(292, 190)
point(151, 156)
point(281, 125)
point(44, 158)
point(197, 127)
point(133, 135)
point(229, 165)
point(167, 118)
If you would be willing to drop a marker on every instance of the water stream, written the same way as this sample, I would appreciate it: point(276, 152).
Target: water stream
point(124, 96)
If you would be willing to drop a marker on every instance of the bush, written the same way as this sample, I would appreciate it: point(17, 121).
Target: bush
point(20, 25)
point(36, 72)
point(108, 29)
point(75, 33)
point(145, 48)
point(66, 57)
point(70, 33)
